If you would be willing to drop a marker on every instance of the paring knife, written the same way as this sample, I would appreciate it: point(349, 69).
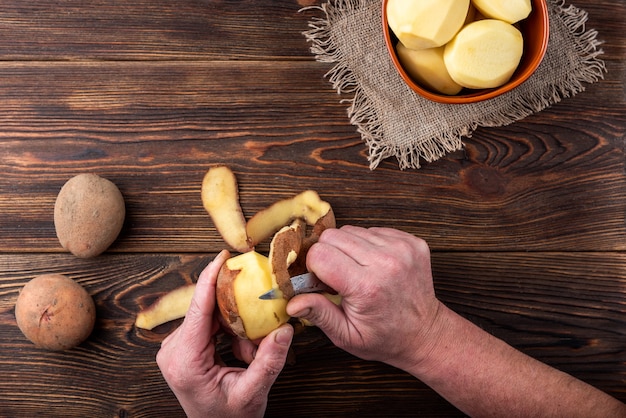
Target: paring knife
point(302, 283)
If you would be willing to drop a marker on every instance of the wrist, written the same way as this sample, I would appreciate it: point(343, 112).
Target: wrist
point(431, 344)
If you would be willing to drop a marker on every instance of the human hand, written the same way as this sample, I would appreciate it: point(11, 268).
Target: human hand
point(191, 366)
point(389, 310)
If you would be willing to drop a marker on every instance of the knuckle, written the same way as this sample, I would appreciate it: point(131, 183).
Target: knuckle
point(421, 246)
point(317, 317)
point(273, 367)
point(173, 374)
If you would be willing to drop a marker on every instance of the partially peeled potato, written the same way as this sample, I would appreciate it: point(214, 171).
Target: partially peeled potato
point(293, 224)
point(240, 282)
point(245, 277)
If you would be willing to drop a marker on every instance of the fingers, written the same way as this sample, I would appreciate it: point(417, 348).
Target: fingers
point(170, 337)
point(333, 266)
point(203, 301)
point(197, 330)
point(165, 352)
point(355, 242)
point(195, 333)
point(340, 255)
point(269, 360)
point(373, 236)
point(358, 244)
point(244, 350)
point(322, 313)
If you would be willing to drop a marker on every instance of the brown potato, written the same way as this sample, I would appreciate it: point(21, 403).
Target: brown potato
point(55, 312)
point(88, 215)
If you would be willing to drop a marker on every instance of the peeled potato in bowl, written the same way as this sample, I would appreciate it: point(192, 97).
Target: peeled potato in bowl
point(485, 60)
point(484, 54)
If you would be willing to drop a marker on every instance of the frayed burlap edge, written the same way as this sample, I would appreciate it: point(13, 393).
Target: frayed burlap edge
point(409, 153)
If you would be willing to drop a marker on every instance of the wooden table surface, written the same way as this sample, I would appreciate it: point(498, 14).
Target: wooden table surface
point(527, 225)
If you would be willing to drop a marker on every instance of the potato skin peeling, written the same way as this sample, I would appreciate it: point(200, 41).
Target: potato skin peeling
point(172, 305)
point(306, 205)
point(284, 249)
point(243, 278)
point(220, 198)
point(246, 276)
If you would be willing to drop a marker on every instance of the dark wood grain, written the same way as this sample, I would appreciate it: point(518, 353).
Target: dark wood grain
point(153, 30)
point(527, 223)
point(155, 128)
point(565, 309)
point(189, 30)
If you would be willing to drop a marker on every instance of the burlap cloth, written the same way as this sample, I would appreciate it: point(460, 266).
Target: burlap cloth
point(395, 122)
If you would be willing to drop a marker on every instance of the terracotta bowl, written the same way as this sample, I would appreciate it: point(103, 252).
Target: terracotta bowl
point(535, 30)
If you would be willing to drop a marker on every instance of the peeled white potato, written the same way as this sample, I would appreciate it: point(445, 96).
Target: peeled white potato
point(510, 11)
point(484, 54)
point(421, 24)
point(426, 66)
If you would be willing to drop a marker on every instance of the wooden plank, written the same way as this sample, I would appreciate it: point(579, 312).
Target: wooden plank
point(564, 309)
point(550, 305)
point(527, 224)
point(153, 30)
point(191, 29)
point(554, 181)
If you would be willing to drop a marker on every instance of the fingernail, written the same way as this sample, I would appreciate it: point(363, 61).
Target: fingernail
point(284, 335)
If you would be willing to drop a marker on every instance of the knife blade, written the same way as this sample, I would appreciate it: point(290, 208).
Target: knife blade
point(302, 283)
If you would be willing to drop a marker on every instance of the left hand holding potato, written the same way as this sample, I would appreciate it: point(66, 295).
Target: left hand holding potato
point(191, 366)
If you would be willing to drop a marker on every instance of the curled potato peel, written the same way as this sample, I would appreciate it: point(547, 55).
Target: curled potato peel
point(220, 198)
point(172, 305)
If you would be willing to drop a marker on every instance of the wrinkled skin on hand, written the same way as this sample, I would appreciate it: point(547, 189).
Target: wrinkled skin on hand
point(204, 386)
point(389, 309)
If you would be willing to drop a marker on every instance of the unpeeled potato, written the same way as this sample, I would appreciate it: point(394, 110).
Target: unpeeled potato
point(88, 215)
point(55, 312)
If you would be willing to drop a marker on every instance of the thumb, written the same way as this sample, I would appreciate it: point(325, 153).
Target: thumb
point(270, 357)
point(319, 311)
